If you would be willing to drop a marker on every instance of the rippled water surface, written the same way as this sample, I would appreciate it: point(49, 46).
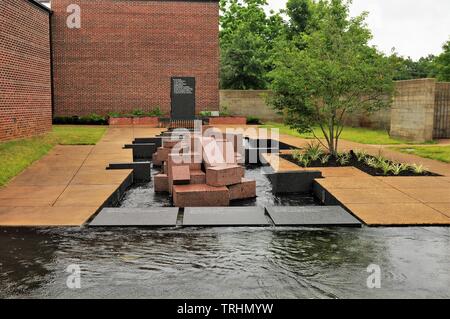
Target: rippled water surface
point(144, 196)
point(226, 262)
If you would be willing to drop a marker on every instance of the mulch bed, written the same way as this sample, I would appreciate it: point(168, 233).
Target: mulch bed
point(359, 165)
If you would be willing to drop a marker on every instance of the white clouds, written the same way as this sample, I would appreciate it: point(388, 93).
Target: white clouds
point(415, 28)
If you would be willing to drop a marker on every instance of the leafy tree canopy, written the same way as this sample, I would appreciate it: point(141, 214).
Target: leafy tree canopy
point(442, 64)
point(336, 73)
point(247, 36)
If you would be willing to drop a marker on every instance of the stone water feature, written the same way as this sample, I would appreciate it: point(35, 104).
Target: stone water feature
point(201, 171)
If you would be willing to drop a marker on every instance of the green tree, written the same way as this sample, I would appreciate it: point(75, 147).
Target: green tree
point(335, 74)
point(244, 62)
point(442, 64)
point(299, 13)
point(408, 69)
point(247, 35)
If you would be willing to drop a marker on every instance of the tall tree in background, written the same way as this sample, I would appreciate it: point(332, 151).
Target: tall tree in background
point(299, 13)
point(442, 64)
point(407, 69)
point(247, 35)
point(335, 74)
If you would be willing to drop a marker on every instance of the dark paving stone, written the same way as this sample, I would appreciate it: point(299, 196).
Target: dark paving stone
point(154, 217)
point(225, 216)
point(142, 151)
point(312, 216)
point(153, 140)
point(141, 170)
point(293, 181)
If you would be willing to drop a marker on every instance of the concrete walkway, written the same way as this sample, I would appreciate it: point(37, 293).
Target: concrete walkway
point(385, 201)
point(70, 184)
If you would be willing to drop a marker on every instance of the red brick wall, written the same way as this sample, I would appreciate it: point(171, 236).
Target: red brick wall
point(125, 52)
point(25, 70)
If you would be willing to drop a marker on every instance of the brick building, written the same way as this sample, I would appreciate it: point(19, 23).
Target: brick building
point(122, 58)
point(25, 69)
point(125, 53)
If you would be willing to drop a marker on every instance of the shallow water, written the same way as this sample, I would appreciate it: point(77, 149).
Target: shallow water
point(141, 196)
point(226, 262)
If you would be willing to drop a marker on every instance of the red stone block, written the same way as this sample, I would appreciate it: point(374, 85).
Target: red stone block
point(218, 153)
point(226, 148)
point(228, 120)
point(147, 120)
point(169, 143)
point(200, 195)
point(165, 169)
point(239, 158)
point(180, 175)
point(224, 175)
point(245, 189)
point(194, 161)
point(117, 121)
point(162, 154)
point(198, 177)
point(161, 183)
point(155, 160)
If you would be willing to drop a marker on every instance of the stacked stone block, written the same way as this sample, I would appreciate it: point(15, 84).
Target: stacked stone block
point(212, 177)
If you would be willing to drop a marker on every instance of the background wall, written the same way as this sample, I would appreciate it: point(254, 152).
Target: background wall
point(253, 103)
point(25, 70)
point(248, 103)
point(442, 110)
point(125, 52)
point(420, 110)
point(412, 113)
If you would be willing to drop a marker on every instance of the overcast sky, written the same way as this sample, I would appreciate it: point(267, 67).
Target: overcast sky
point(415, 28)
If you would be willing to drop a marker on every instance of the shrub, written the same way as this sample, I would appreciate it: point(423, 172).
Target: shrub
point(314, 151)
point(325, 159)
point(360, 155)
point(302, 158)
point(138, 113)
point(156, 112)
point(92, 119)
point(205, 113)
point(115, 114)
point(343, 158)
point(398, 168)
point(385, 166)
point(224, 111)
point(253, 120)
point(371, 162)
point(418, 169)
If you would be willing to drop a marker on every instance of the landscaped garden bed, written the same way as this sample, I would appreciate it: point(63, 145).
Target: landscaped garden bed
point(137, 117)
point(314, 156)
point(228, 120)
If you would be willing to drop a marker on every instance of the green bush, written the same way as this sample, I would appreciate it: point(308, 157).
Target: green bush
point(92, 119)
point(115, 114)
point(224, 111)
point(138, 113)
point(253, 120)
point(205, 113)
point(156, 112)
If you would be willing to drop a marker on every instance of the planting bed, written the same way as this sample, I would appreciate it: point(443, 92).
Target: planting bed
point(361, 165)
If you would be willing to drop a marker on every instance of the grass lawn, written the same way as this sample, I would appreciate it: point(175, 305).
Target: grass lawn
point(17, 155)
point(353, 134)
point(440, 153)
